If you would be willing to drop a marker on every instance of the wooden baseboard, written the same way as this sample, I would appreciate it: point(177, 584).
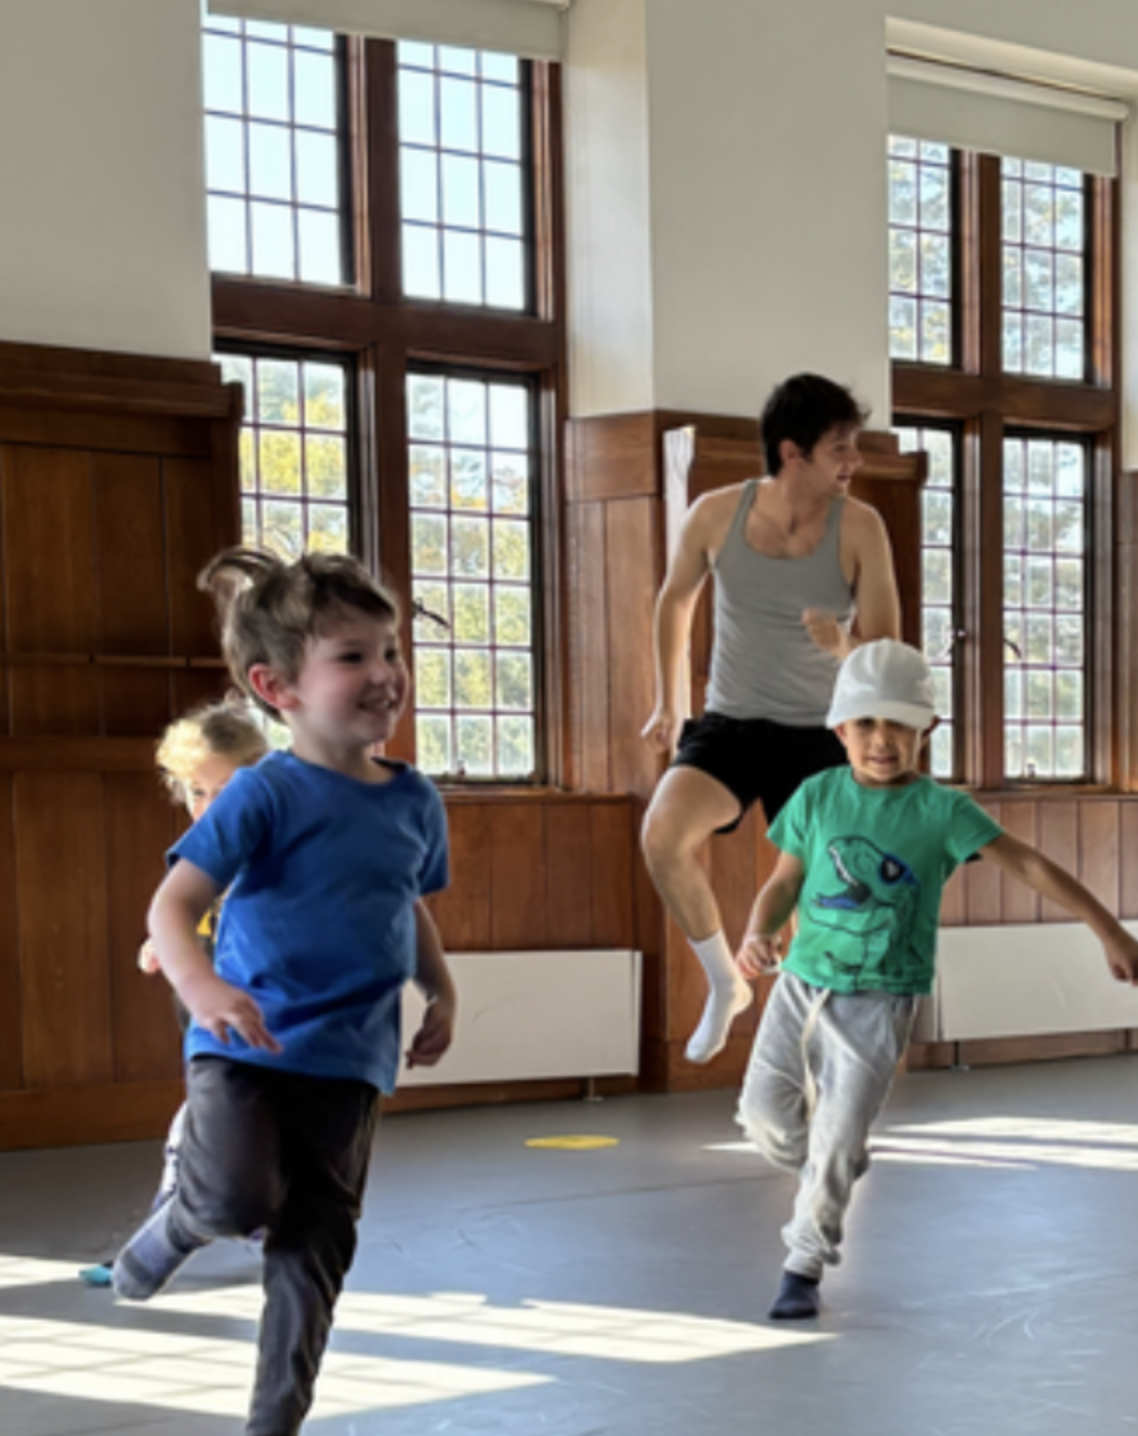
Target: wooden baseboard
point(77, 1116)
point(482, 1094)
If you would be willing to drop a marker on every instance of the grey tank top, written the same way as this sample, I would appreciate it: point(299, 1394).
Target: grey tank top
point(763, 663)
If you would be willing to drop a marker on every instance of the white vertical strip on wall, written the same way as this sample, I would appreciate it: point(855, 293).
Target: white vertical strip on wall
point(532, 28)
point(972, 110)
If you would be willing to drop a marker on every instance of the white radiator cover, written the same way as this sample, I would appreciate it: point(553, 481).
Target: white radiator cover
point(525, 1015)
point(1023, 980)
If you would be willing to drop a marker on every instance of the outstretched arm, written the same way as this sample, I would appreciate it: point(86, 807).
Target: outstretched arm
point(433, 979)
point(759, 951)
point(1030, 866)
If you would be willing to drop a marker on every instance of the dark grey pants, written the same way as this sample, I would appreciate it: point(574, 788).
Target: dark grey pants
point(288, 1153)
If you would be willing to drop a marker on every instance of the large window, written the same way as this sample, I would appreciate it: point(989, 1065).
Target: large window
point(273, 148)
point(1020, 427)
point(385, 290)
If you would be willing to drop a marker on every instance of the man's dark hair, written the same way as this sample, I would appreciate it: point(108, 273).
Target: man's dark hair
point(802, 409)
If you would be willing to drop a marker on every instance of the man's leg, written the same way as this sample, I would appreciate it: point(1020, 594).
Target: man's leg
point(326, 1147)
point(687, 807)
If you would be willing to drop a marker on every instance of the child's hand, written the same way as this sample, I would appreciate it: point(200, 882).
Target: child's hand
point(758, 955)
point(1122, 957)
point(218, 1006)
point(148, 959)
point(434, 1034)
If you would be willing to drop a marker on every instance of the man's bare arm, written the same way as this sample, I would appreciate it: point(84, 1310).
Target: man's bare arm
point(877, 603)
point(675, 604)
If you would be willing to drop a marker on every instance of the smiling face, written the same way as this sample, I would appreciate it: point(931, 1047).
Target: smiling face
point(352, 684)
point(881, 752)
point(830, 465)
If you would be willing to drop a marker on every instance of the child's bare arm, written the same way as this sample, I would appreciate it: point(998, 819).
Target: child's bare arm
point(758, 952)
point(175, 911)
point(433, 979)
point(1028, 864)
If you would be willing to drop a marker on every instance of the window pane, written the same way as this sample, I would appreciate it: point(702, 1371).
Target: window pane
point(1044, 271)
point(920, 251)
point(1045, 683)
point(293, 447)
point(939, 620)
point(469, 459)
point(273, 142)
point(460, 126)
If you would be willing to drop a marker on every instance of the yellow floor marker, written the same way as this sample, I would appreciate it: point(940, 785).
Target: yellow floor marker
point(573, 1143)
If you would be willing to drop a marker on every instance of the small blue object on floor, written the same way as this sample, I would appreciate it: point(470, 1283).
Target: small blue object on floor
point(798, 1297)
point(96, 1275)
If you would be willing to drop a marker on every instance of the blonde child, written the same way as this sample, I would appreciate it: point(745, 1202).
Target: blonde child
point(865, 852)
point(324, 855)
point(196, 756)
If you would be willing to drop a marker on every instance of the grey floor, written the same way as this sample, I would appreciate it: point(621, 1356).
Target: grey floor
point(989, 1286)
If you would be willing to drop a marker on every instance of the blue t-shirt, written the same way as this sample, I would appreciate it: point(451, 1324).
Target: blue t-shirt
point(318, 925)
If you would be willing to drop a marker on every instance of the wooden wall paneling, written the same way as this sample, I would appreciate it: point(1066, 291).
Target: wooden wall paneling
point(140, 824)
point(567, 844)
point(131, 615)
point(11, 1031)
point(1018, 902)
point(193, 686)
point(611, 856)
point(1059, 839)
point(62, 886)
point(134, 700)
point(632, 577)
point(197, 525)
point(517, 878)
point(611, 456)
point(1099, 850)
point(982, 892)
point(462, 911)
point(49, 565)
point(589, 656)
point(1128, 858)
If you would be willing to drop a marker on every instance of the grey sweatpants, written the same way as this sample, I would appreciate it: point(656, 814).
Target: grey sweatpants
point(818, 1075)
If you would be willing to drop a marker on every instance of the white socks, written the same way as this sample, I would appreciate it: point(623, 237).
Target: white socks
point(729, 995)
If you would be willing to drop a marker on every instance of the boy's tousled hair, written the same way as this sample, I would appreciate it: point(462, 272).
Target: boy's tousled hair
point(227, 730)
point(802, 408)
point(269, 609)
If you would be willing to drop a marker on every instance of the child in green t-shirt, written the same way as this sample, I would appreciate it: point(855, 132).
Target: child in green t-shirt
point(865, 852)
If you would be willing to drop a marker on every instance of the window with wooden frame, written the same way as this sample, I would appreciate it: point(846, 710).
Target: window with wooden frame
point(443, 169)
point(1030, 407)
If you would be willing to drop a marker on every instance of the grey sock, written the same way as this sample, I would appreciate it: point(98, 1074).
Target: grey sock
point(151, 1257)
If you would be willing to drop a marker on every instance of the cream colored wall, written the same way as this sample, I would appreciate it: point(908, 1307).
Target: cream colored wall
point(102, 228)
point(607, 203)
point(768, 135)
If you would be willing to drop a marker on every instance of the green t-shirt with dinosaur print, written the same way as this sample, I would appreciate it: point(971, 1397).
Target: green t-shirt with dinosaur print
point(876, 861)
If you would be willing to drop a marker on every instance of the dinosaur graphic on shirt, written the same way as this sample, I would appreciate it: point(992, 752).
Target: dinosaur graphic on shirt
point(872, 907)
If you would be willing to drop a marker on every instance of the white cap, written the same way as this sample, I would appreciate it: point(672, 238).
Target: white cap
point(884, 679)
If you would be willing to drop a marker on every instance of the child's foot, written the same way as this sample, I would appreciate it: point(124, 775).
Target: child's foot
point(798, 1297)
point(99, 1275)
point(724, 1003)
point(149, 1259)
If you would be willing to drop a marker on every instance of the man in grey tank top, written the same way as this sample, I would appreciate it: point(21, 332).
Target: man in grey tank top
point(802, 574)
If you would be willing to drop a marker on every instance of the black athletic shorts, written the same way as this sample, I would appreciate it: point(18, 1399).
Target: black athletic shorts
point(755, 758)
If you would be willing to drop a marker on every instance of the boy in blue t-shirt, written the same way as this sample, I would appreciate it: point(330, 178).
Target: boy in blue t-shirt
point(865, 852)
point(325, 855)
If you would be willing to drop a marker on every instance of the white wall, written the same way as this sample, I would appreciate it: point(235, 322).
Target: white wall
point(607, 203)
point(102, 227)
point(768, 130)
